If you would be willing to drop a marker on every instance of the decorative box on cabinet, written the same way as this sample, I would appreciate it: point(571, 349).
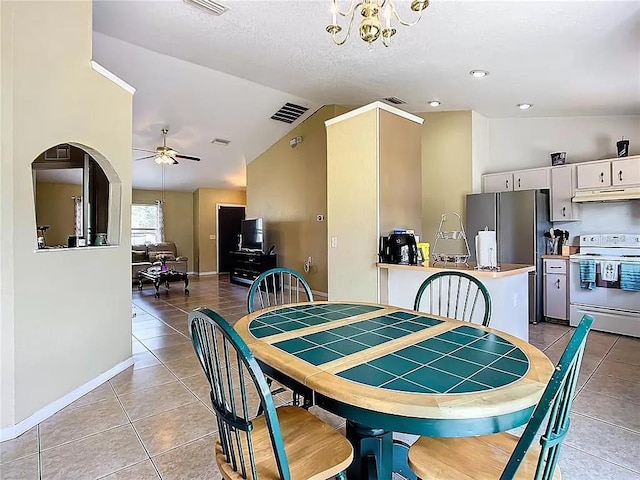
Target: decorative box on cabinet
point(563, 185)
point(625, 171)
point(246, 266)
point(556, 301)
point(497, 182)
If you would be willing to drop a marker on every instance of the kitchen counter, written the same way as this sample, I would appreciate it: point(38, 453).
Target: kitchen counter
point(506, 269)
point(508, 289)
point(555, 257)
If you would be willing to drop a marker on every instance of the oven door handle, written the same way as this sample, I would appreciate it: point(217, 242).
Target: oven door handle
point(596, 309)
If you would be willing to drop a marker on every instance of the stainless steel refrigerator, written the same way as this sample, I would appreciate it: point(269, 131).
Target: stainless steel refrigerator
point(520, 220)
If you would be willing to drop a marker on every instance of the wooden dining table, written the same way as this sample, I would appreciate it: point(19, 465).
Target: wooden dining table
point(386, 369)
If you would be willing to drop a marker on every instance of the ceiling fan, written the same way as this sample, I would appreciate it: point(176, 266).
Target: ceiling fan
point(164, 154)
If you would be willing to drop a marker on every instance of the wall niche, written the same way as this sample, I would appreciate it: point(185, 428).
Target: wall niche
point(72, 196)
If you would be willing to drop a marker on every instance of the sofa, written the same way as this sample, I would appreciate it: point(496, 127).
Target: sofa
point(144, 256)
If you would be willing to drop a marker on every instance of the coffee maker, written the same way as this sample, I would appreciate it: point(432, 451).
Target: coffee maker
point(400, 248)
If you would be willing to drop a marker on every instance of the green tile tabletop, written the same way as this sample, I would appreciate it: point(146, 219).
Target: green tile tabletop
point(387, 369)
point(400, 363)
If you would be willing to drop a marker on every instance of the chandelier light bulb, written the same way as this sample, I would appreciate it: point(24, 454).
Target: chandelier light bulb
point(374, 17)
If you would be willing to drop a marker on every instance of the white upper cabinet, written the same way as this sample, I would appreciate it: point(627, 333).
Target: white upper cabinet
point(594, 175)
point(497, 182)
point(532, 179)
point(563, 184)
point(625, 171)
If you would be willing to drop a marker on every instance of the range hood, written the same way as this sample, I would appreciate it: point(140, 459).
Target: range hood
point(610, 195)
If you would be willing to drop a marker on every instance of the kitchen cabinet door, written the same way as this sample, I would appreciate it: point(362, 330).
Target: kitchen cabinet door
point(563, 184)
point(497, 182)
point(531, 179)
point(594, 175)
point(555, 296)
point(626, 171)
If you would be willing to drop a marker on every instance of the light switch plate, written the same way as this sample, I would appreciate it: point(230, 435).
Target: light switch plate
point(212, 237)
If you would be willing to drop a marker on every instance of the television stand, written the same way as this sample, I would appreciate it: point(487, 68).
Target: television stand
point(247, 265)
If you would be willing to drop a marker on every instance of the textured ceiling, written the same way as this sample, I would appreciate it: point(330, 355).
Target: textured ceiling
point(565, 57)
point(198, 104)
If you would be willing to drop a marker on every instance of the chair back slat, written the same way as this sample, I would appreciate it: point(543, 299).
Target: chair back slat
point(556, 401)
point(216, 344)
point(455, 295)
point(278, 286)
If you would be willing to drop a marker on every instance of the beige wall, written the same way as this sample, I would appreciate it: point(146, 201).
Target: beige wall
point(54, 207)
point(446, 169)
point(288, 188)
point(178, 218)
point(59, 327)
point(400, 174)
point(205, 221)
point(352, 213)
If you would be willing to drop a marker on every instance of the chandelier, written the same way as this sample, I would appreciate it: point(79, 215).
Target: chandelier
point(376, 19)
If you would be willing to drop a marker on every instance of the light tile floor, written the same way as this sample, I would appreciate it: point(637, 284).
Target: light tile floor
point(154, 421)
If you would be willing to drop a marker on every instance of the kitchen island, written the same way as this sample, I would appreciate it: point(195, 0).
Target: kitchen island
point(508, 289)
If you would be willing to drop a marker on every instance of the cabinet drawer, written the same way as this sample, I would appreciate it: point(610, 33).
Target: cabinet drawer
point(555, 266)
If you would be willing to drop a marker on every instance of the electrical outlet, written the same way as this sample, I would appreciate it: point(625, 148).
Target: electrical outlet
point(212, 237)
point(334, 242)
point(516, 300)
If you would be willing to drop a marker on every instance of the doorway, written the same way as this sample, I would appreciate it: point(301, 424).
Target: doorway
point(229, 221)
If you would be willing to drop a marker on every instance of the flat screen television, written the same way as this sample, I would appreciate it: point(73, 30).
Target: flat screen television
point(252, 235)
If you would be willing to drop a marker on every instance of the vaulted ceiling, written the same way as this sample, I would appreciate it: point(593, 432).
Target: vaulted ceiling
point(207, 76)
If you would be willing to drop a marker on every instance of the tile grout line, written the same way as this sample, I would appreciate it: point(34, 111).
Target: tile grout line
point(596, 369)
point(603, 459)
point(134, 431)
point(39, 453)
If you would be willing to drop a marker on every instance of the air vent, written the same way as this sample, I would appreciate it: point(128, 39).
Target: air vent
point(214, 8)
point(221, 141)
point(289, 113)
point(394, 100)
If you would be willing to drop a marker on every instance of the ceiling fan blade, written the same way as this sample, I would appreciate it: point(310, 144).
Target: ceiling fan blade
point(187, 157)
point(175, 162)
point(144, 158)
point(144, 150)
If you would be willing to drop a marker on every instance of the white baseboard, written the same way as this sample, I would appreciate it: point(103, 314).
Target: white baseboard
point(204, 274)
point(9, 433)
point(192, 273)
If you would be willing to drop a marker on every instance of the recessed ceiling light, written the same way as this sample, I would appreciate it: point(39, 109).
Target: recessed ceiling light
point(524, 106)
point(221, 141)
point(478, 73)
point(434, 103)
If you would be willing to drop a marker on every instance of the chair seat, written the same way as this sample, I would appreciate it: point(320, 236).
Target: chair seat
point(314, 450)
point(477, 458)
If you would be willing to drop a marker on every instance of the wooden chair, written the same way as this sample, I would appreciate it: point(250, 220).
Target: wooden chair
point(504, 455)
point(284, 443)
point(454, 295)
point(278, 286)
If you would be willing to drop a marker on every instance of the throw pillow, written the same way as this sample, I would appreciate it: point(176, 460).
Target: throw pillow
point(168, 255)
point(138, 256)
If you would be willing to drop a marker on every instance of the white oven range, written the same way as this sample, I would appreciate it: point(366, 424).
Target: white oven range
point(613, 309)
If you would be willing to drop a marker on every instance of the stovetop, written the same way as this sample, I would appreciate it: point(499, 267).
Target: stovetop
point(619, 247)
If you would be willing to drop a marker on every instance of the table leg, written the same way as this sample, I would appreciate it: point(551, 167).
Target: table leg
point(186, 284)
point(401, 460)
point(372, 450)
point(156, 283)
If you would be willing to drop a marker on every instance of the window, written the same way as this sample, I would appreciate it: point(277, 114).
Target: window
point(145, 224)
